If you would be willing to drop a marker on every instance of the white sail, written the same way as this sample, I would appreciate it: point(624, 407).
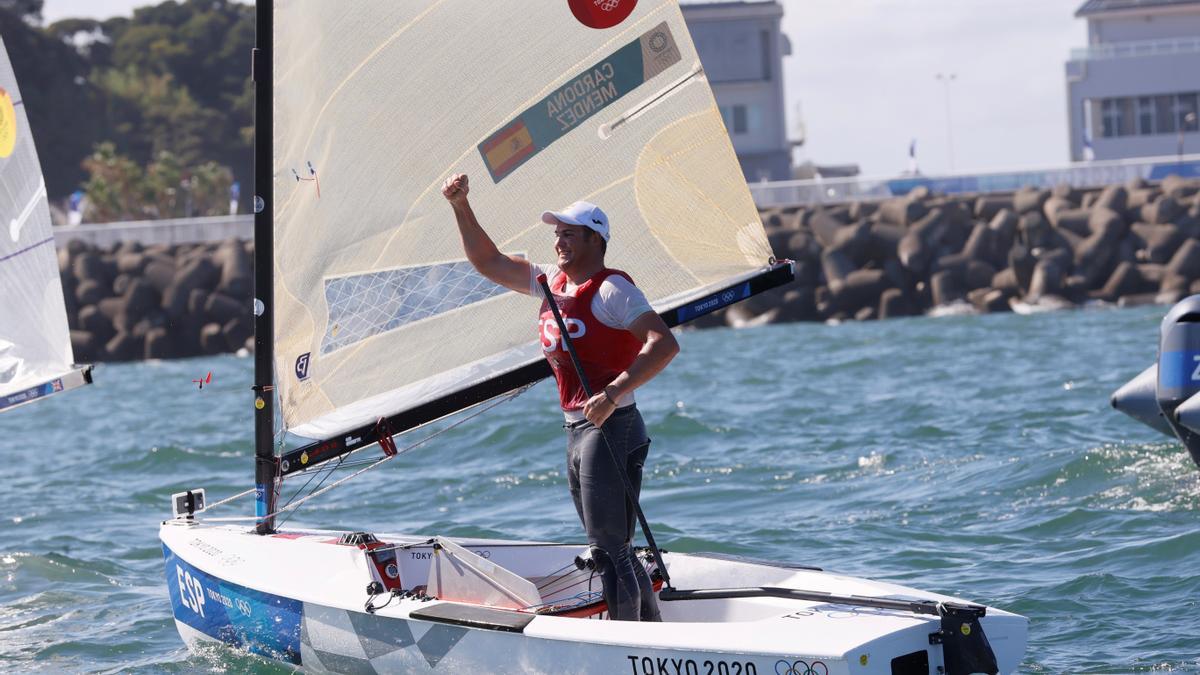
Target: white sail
point(35, 345)
point(377, 102)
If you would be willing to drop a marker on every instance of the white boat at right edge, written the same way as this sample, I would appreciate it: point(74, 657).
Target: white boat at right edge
point(369, 324)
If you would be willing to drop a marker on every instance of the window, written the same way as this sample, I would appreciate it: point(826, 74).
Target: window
point(754, 118)
point(1145, 116)
point(739, 119)
point(1164, 114)
point(1128, 127)
point(1187, 106)
point(1111, 116)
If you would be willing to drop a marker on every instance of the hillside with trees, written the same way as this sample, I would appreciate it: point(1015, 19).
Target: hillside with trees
point(151, 116)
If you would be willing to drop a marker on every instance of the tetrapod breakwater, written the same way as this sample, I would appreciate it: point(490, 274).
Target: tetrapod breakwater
point(129, 301)
point(1029, 250)
point(924, 253)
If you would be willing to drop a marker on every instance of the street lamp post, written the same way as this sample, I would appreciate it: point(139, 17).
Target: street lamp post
point(946, 79)
point(1188, 120)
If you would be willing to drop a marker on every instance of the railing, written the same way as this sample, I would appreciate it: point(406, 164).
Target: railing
point(1124, 50)
point(1080, 174)
point(167, 231)
point(766, 195)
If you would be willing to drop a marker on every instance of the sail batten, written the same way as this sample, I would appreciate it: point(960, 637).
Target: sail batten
point(377, 102)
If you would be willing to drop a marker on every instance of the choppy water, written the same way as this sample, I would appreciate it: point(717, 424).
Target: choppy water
point(973, 455)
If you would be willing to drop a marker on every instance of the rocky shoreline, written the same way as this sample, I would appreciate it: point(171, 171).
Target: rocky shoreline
point(1031, 250)
point(130, 302)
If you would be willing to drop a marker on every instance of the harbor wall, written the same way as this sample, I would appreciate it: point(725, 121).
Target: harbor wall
point(128, 301)
point(1032, 249)
point(136, 292)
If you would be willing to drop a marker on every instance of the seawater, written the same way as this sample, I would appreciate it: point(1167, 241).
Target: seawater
point(976, 456)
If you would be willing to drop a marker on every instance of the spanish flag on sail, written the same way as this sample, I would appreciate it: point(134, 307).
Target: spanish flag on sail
point(507, 149)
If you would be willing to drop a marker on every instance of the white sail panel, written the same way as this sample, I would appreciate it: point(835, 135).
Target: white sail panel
point(35, 345)
point(377, 102)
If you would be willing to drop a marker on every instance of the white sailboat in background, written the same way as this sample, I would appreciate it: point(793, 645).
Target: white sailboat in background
point(371, 323)
point(35, 344)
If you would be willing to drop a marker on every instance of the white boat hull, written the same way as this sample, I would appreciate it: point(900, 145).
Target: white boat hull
point(301, 598)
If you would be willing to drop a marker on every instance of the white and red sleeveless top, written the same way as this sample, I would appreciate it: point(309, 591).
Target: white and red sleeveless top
point(603, 351)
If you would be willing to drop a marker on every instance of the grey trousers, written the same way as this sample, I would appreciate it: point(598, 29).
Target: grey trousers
point(607, 514)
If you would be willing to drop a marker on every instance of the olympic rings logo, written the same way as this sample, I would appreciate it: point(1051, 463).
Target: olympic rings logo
point(800, 667)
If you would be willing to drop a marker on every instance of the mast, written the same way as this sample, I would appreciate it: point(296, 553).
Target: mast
point(265, 462)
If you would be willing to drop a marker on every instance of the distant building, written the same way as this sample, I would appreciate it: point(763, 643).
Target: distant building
point(741, 48)
point(1132, 92)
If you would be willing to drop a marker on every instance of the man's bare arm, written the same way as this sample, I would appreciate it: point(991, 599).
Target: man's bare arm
point(508, 271)
point(658, 348)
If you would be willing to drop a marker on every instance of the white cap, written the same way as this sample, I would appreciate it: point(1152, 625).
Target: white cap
point(586, 214)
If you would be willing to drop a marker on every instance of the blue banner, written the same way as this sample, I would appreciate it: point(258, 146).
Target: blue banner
point(713, 302)
point(262, 623)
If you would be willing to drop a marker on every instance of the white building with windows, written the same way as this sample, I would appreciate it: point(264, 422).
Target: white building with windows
point(741, 48)
point(1132, 92)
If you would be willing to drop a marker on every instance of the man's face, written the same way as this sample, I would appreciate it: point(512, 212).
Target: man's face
point(576, 245)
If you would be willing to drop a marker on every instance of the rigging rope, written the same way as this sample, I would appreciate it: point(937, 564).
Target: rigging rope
point(226, 500)
point(294, 503)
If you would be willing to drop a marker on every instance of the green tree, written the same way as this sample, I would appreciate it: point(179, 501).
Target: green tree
point(66, 111)
point(114, 186)
point(210, 183)
point(29, 10)
point(118, 188)
point(154, 115)
point(173, 78)
point(163, 188)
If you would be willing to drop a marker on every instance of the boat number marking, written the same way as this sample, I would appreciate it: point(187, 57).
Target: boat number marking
point(1196, 370)
point(194, 595)
point(645, 665)
point(191, 593)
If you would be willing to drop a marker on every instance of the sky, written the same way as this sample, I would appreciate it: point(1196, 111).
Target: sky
point(862, 78)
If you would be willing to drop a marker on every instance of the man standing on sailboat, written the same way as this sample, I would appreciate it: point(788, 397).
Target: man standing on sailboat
point(622, 343)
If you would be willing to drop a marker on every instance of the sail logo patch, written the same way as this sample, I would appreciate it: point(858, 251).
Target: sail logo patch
point(601, 13)
point(581, 97)
point(302, 362)
point(8, 124)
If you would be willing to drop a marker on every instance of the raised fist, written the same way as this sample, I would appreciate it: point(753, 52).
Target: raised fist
point(455, 188)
